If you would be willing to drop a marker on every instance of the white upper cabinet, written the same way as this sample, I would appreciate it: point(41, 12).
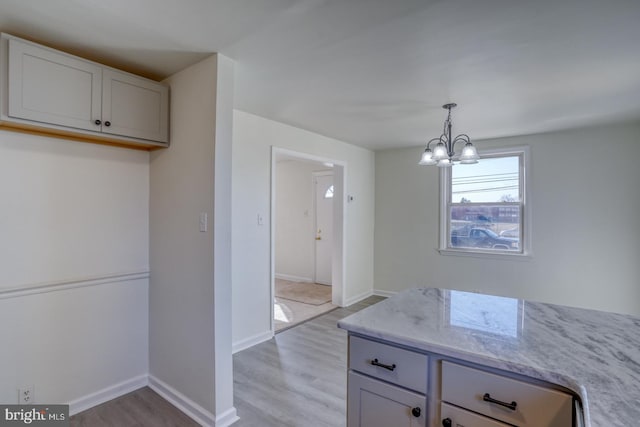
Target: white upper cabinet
point(54, 92)
point(51, 87)
point(133, 106)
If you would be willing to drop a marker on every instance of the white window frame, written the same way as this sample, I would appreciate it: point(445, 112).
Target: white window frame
point(525, 214)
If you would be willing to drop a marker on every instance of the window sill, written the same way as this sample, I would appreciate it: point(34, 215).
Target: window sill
point(487, 255)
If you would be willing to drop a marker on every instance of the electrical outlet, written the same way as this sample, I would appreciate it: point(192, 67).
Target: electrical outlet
point(26, 395)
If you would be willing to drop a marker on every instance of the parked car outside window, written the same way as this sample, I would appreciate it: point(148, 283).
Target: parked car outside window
point(482, 238)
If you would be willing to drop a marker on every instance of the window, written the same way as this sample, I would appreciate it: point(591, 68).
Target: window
point(329, 193)
point(484, 205)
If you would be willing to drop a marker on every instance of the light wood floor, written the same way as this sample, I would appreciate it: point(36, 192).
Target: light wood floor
point(299, 378)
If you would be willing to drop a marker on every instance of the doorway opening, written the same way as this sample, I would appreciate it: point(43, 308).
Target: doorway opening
point(307, 237)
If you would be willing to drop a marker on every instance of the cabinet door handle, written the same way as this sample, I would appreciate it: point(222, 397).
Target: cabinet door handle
point(375, 362)
point(447, 422)
point(416, 412)
point(487, 398)
point(97, 122)
point(107, 123)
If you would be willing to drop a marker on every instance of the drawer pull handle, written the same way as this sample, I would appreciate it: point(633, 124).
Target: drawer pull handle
point(375, 362)
point(487, 398)
point(447, 422)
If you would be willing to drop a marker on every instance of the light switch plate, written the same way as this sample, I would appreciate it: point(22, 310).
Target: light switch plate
point(203, 222)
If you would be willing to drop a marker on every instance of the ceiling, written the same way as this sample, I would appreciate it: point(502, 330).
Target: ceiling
point(374, 72)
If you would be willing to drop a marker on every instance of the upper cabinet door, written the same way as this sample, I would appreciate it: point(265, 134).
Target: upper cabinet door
point(52, 87)
point(134, 107)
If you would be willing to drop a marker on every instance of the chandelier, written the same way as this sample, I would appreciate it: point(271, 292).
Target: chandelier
point(443, 153)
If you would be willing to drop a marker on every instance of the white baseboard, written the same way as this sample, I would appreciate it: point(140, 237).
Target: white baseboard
point(357, 298)
point(293, 278)
point(107, 394)
point(251, 341)
point(191, 408)
point(227, 418)
point(177, 399)
point(182, 402)
point(385, 294)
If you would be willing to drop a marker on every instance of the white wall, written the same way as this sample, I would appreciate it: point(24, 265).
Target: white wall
point(185, 329)
point(70, 210)
point(74, 269)
point(294, 242)
point(586, 234)
point(224, 409)
point(252, 141)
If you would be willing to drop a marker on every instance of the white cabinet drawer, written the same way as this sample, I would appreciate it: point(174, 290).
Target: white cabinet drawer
point(452, 416)
point(396, 365)
point(535, 406)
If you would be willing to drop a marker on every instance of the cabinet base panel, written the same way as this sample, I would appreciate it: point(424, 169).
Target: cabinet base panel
point(72, 136)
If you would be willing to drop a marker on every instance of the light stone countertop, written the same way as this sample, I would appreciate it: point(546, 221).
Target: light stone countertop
point(593, 353)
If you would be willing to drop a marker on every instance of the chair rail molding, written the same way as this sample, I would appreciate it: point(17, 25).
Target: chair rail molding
point(78, 282)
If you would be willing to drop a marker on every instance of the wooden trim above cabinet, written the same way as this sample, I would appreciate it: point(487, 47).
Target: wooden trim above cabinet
point(76, 136)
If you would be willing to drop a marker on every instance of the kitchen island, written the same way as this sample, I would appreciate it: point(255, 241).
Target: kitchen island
point(592, 355)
